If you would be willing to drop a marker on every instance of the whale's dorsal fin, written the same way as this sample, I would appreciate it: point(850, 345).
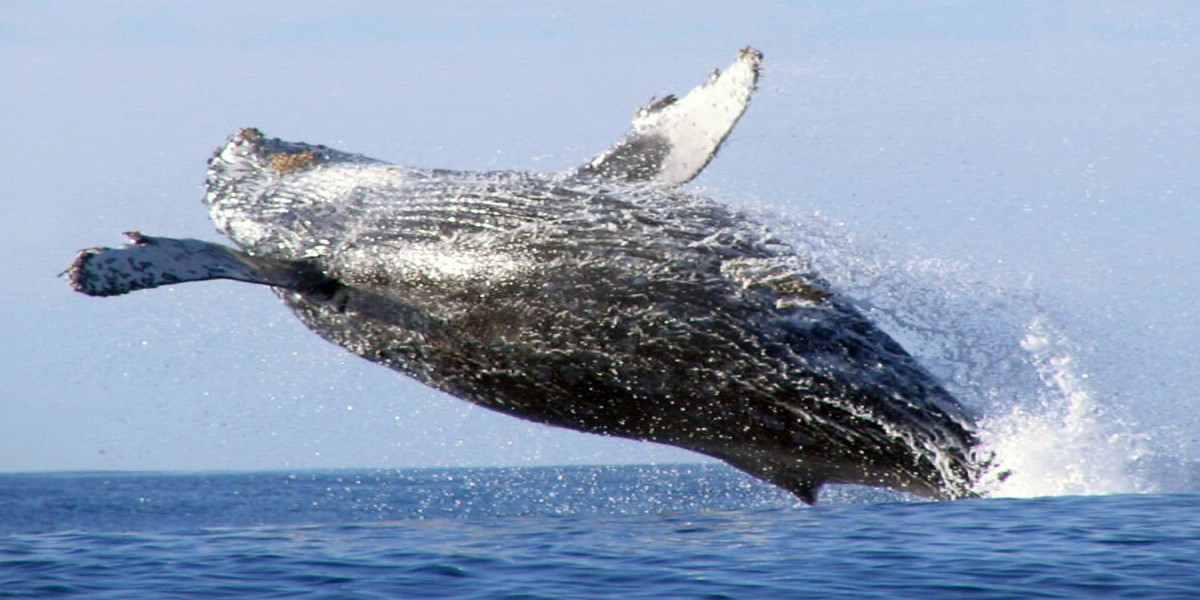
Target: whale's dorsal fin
point(673, 140)
point(149, 262)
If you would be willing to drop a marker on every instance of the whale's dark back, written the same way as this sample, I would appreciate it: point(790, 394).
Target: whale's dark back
point(639, 312)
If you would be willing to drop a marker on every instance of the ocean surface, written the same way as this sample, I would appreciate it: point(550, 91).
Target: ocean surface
point(684, 531)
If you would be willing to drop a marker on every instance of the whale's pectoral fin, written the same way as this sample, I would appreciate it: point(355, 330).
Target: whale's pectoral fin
point(673, 140)
point(149, 262)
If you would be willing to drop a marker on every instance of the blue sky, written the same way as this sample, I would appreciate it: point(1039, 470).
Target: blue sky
point(1049, 149)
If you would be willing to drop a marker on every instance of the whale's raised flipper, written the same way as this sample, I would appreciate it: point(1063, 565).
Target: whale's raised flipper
point(673, 140)
point(150, 262)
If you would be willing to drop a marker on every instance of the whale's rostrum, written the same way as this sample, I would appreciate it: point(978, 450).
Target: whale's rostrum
point(604, 299)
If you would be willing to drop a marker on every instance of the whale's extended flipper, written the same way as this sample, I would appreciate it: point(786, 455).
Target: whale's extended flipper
point(150, 262)
point(673, 140)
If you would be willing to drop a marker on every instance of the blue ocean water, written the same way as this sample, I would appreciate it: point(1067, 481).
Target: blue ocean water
point(687, 531)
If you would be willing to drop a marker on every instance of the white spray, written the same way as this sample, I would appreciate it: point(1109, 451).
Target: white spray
point(1062, 441)
point(998, 349)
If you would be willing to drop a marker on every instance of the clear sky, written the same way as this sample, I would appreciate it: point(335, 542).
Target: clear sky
point(1048, 148)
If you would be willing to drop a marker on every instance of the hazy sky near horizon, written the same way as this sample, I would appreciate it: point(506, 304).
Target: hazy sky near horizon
point(1053, 144)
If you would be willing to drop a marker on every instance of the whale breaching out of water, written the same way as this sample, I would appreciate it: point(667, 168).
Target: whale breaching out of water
point(604, 299)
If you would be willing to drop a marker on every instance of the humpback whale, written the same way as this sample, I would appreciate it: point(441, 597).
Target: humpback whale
point(604, 299)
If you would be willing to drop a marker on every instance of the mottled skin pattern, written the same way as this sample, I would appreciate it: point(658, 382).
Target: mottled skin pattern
point(634, 311)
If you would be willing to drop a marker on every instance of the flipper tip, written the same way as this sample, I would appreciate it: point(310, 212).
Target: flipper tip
point(672, 139)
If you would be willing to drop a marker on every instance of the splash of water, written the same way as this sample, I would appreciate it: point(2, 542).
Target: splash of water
point(1062, 440)
point(998, 349)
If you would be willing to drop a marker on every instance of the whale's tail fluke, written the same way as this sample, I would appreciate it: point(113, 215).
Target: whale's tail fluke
point(672, 140)
point(149, 262)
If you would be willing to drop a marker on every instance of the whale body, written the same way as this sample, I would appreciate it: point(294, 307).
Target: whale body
point(604, 300)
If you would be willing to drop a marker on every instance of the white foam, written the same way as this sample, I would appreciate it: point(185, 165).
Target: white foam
point(1000, 351)
point(1062, 441)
